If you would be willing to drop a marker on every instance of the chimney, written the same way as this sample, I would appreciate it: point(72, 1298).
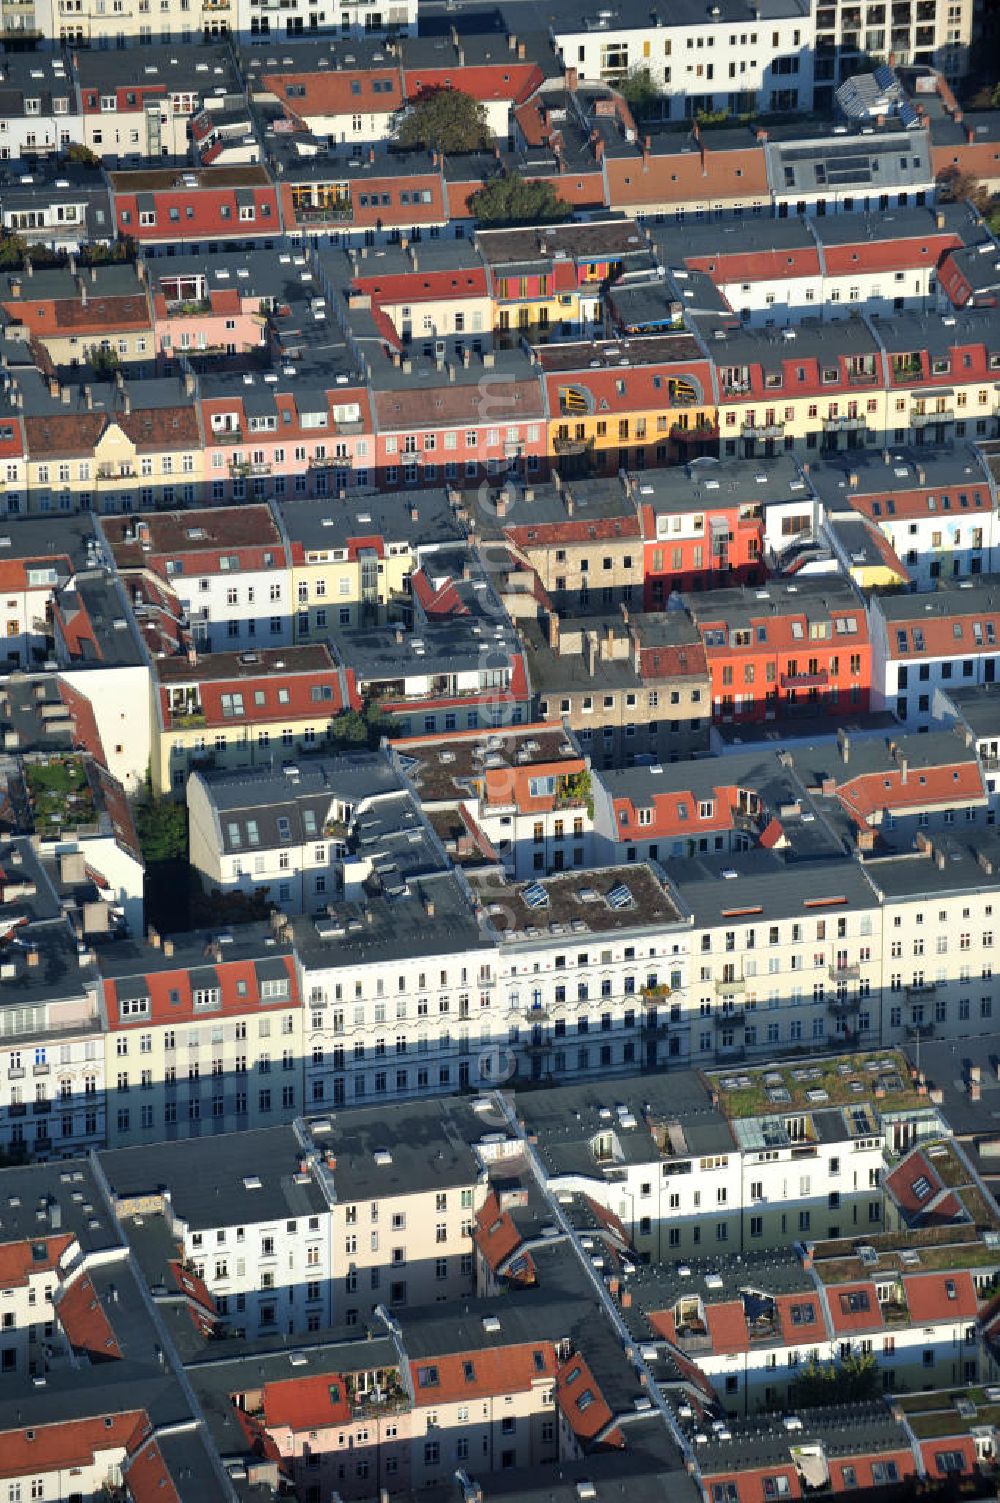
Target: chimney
point(83, 294)
point(904, 769)
point(32, 958)
point(29, 270)
point(853, 480)
point(88, 398)
point(168, 948)
point(54, 388)
point(153, 936)
point(570, 504)
point(552, 622)
point(189, 383)
point(939, 219)
point(371, 155)
point(522, 51)
point(599, 150)
point(940, 860)
point(590, 652)
point(572, 79)
point(127, 404)
point(844, 743)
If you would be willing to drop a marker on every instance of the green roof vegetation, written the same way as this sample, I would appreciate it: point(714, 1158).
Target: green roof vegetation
point(882, 1076)
point(60, 794)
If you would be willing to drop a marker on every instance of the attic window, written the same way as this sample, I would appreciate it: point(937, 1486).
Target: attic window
point(427, 1377)
point(803, 1315)
point(922, 1187)
point(469, 1372)
point(854, 1303)
point(334, 1393)
point(585, 1400)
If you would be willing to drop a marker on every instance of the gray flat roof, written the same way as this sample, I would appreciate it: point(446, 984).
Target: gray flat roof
point(207, 1177)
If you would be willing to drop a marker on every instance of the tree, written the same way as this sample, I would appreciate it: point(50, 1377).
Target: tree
point(853, 1380)
point(640, 93)
point(956, 187)
point(362, 728)
point(13, 249)
point(513, 200)
point(161, 825)
point(445, 120)
point(81, 155)
point(103, 361)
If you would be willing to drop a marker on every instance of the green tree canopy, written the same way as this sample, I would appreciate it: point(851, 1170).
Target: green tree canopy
point(362, 728)
point(851, 1381)
point(512, 200)
point(640, 92)
point(445, 120)
point(82, 155)
point(161, 825)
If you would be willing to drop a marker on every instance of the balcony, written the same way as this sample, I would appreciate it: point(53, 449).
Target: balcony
point(921, 989)
point(16, 1072)
point(17, 1109)
point(324, 213)
point(730, 1018)
point(734, 988)
point(701, 433)
point(842, 424)
point(538, 1014)
point(817, 680)
point(693, 1339)
point(845, 972)
point(572, 445)
point(929, 419)
point(41, 1108)
point(862, 377)
point(228, 435)
point(245, 467)
point(762, 430)
point(188, 307)
point(843, 1007)
point(40, 1069)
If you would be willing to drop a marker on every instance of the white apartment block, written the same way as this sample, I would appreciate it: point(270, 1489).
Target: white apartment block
point(723, 58)
point(263, 19)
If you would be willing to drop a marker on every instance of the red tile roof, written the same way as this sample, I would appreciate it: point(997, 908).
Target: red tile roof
point(933, 1297)
point(72, 1443)
point(87, 1327)
point(583, 1405)
point(307, 1403)
point(17, 1260)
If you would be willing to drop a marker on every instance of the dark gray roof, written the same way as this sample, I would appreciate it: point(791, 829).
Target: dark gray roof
point(207, 1178)
point(403, 1149)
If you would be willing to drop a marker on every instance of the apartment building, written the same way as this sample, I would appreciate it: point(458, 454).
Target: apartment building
point(227, 567)
point(704, 525)
point(201, 1035)
point(579, 537)
point(798, 962)
point(309, 835)
point(73, 314)
point(398, 1006)
point(592, 969)
point(649, 404)
point(356, 566)
point(244, 1216)
point(627, 688)
point(237, 709)
point(148, 118)
point(688, 1169)
point(937, 935)
point(465, 671)
point(747, 63)
point(936, 507)
point(522, 796)
point(924, 642)
point(765, 653)
point(407, 1182)
point(52, 1097)
point(776, 272)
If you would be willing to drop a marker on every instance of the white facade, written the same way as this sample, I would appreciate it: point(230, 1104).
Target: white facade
point(741, 64)
point(256, 20)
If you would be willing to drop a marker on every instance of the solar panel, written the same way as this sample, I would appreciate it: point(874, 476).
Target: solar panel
point(884, 76)
point(535, 895)
point(620, 896)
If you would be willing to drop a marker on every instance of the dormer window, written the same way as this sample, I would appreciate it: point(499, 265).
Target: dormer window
point(32, 106)
point(940, 365)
